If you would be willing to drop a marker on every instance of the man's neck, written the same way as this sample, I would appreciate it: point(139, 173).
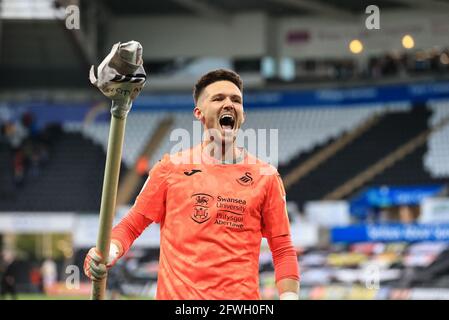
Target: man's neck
point(224, 153)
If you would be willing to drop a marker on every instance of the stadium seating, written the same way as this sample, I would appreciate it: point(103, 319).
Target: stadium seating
point(394, 129)
point(436, 158)
point(70, 181)
point(435, 152)
point(139, 128)
point(301, 130)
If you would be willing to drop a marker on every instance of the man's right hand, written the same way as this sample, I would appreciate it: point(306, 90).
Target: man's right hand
point(94, 269)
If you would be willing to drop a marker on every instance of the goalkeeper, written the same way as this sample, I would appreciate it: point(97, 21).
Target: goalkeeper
point(214, 203)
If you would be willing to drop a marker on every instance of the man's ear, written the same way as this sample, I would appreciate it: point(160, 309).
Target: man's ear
point(244, 117)
point(198, 114)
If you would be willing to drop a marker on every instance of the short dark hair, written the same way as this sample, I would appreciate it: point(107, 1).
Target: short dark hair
point(214, 76)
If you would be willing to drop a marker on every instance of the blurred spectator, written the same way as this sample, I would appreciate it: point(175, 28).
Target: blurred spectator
point(8, 276)
point(36, 279)
point(374, 67)
point(15, 135)
point(394, 64)
point(28, 122)
point(35, 147)
point(408, 214)
point(49, 273)
point(390, 65)
point(116, 276)
point(142, 166)
point(28, 145)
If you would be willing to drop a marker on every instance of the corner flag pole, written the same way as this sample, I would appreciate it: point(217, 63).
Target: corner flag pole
point(108, 197)
point(121, 77)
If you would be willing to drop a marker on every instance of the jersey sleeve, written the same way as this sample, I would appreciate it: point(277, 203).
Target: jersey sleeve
point(274, 211)
point(129, 229)
point(152, 198)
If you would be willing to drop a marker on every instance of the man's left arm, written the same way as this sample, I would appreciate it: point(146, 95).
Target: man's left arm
point(276, 229)
point(286, 267)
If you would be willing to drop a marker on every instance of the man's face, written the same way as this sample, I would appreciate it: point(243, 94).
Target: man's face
point(220, 109)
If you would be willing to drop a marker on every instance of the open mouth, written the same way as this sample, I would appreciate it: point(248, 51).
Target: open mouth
point(227, 121)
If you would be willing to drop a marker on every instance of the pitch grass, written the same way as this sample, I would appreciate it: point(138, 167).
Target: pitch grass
point(33, 296)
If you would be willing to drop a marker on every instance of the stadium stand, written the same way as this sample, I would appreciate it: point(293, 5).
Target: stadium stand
point(140, 127)
point(435, 159)
point(304, 129)
point(302, 165)
point(392, 130)
point(74, 173)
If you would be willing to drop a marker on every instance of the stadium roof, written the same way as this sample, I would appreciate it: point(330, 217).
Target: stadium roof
point(340, 9)
point(273, 7)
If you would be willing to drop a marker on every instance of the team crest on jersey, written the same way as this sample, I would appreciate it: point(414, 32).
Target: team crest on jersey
point(246, 179)
point(201, 204)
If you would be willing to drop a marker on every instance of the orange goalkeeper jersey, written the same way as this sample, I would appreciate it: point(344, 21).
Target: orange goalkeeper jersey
point(212, 218)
